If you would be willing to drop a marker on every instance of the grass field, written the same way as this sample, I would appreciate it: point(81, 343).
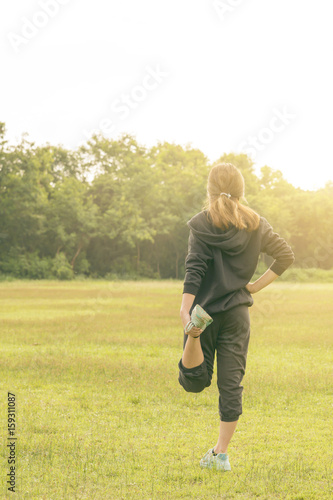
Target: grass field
point(101, 415)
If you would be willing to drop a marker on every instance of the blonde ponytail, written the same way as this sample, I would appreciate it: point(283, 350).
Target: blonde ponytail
point(224, 188)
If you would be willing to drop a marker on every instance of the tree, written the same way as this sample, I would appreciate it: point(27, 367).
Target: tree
point(72, 219)
point(115, 206)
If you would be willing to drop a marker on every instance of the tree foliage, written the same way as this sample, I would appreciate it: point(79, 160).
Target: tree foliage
point(117, 208)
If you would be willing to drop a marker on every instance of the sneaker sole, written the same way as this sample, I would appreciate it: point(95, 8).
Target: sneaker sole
point(209, 466)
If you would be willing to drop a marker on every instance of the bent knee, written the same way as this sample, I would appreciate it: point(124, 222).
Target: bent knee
point(190, 385)
point(194, 379)
point(194, 388)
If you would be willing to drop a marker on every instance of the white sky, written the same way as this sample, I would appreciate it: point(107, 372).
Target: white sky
point(227, 73)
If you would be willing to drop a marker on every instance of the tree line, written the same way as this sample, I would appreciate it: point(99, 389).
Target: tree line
point(114, 208)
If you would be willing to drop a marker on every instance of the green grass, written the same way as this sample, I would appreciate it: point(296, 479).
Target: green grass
point(101, 415)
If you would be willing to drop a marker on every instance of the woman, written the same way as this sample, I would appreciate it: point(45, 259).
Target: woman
point(224, 245)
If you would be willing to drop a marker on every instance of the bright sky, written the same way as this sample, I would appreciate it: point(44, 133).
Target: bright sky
point(234, 75)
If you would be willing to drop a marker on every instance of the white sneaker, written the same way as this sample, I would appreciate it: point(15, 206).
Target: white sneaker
point(218, 461)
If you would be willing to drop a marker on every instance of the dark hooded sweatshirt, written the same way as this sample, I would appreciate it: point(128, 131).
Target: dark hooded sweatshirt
point(220, 262)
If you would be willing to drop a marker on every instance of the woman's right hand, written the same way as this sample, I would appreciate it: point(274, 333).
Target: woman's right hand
point(268, 277)
point(250, 288)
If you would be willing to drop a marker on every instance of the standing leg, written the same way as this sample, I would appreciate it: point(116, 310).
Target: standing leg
point(226, 432)
point(232, 347)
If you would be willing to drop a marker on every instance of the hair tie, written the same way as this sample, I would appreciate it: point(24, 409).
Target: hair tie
point(227, 194)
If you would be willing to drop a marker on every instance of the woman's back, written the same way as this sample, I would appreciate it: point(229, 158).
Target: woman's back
point(220, 262)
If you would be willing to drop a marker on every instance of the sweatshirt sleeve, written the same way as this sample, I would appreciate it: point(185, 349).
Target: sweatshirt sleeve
point(196, 263)
point(272, 244)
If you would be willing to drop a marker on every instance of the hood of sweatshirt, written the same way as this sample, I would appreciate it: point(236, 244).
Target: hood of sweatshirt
point(232, 241)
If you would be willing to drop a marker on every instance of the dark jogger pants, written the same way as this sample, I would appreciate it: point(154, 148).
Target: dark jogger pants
point(229, 336)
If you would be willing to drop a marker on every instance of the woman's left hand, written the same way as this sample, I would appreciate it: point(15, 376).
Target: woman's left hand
point(194, 332)
point(185, 317)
